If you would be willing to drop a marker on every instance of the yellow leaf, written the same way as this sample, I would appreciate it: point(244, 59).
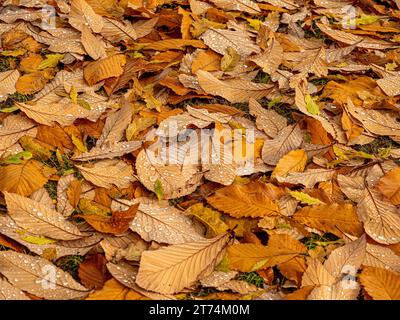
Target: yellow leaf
point(51, 61)
point(138, 125)
point(23, 178)
point(38, 240)
point(105, 68)
point(381, 284)
point(211, 218)
point(305, 198)
point(114, 290)
point(311, 105)
point(78, 143)
point(389, 185)
point(335, 218)
point(255, 199)
point(250, 257)
point(14, 53)
point(294, 161)
point(230, 59)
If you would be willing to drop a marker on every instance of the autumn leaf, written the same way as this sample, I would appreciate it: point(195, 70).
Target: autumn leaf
point(250, 257)
point(117, 223)
point(114, 290)
point(29, 270)
point(24, 178)
point(193, 258)
point(93, 271)
point(105, 68)
point(381, 284)
point(39, 219)
point(294, 161)
point(254, 199)
point(334, 218)
point(388, 186)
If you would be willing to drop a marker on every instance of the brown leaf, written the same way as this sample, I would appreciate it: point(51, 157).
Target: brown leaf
point(8, 81)
point(235, 90)
point(293, 161)
point(288, 139)
point(23, 178)
point(117, 223)
point(39, 219)
point(250, 257)
point(255, 199)
point(381, 218)
point(105, 68)
point(333, 218)
point(389, 184)
point(31, 274)
point(93, 271)
point(381, 284)
point(106, 173)
point(157, 221)
point(171, 269)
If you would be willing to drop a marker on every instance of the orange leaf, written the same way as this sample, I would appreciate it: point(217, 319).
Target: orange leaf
point(118, 223)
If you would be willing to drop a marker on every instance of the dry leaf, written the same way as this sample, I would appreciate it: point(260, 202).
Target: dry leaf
point(157, 221)
point(8, 80)
point(159, 268)
point(288, 139)
point(294, 161)
point(236, 90)
point(31, 274)
point(106, 173)
point(37, 218)
point(82, 14)
point(334, 218)
point(23, 178)
point(105, 68)
point(381, 284)
point(267, 120)
point(254, 199)
point(220, 40)
point(381, 218)
point(250, 257)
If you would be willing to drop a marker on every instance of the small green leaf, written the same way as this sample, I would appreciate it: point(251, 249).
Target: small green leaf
point(312, 107)
point(158, 189)
point(18, 158)
point(38, 240)
point(51, 61)
point(304, 198)
point(84, 104)
point(255, 23)
point(73, 94)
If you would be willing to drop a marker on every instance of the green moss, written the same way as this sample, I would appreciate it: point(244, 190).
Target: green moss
point(15, 97)
point(378, 147)
point(316, 240)
point(281, 108)
point(252, 278)
point(4, 64)
point(63, 166)
point(51, 187)
point(262, 77)
point(70, 264)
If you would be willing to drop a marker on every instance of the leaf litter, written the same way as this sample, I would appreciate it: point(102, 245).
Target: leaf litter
point(200, 149)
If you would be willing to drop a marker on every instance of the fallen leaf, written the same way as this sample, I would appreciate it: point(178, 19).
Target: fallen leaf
point(37, 218)
point(159, 268)
point(254, 199)
point(381, 284)
point(32, 275)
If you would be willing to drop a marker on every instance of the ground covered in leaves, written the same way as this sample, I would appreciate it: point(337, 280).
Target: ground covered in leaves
point(216, 149)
